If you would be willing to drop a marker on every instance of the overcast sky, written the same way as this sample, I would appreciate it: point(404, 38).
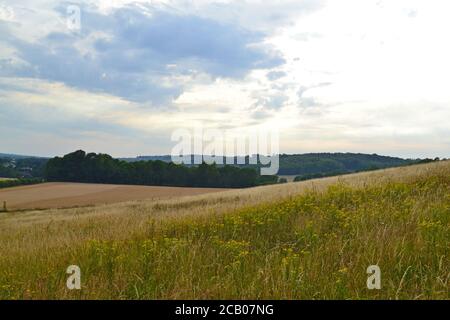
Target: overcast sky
point(349, 75)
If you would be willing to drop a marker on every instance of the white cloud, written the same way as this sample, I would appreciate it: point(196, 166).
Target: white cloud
point(368, 76)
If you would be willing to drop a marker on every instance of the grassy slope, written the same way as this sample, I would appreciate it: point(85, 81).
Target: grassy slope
point(312, 239)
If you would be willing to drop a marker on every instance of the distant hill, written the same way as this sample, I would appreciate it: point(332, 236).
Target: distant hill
point(330, 163)
point(317, 163)
point(18, 156)
point(165, 158)
point(305, 166)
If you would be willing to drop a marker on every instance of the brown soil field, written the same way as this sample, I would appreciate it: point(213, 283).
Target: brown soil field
point(66, 195)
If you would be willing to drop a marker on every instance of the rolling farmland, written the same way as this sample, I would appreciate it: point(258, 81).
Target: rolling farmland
point(64, 195)
point(306, 240)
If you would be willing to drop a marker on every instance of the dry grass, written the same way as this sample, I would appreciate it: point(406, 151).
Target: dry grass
point(310, 239)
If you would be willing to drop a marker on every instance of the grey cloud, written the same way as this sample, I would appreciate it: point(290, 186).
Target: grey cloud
point(199, 43)
point(274, 101)
point(308, 102)
point(275, 75)
point(260, 15)
point(132, 62)
point(301, 91)
point(21, 117)
point(260, 114)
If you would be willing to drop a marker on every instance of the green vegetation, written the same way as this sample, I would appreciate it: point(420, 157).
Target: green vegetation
point(22, 167)
point(329, 164)
point(306, 166)
point(18, 182)
point(386, 164)
point(313, 176)
point(7, 172)
point(316, 245)
point(102, 168)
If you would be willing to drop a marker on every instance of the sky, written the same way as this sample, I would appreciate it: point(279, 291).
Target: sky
point(332, 76)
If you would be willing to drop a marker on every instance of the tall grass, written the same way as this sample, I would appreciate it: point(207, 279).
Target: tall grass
point(312, 245)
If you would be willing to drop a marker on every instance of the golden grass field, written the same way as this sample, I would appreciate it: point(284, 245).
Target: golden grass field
point(66, 195)
point(305, 240)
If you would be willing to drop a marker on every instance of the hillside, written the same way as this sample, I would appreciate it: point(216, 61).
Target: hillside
point(306, 166)
point(334, 163)
point(306, 240)
point(317, 163)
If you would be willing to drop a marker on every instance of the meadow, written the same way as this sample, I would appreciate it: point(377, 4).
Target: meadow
point(304, 240)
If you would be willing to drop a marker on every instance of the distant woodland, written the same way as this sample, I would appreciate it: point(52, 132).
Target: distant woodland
point(80, 166)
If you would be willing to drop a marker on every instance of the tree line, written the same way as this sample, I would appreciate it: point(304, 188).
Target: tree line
point(22, 168)
point(314, 165)
point(80, 166)
point(19, 182)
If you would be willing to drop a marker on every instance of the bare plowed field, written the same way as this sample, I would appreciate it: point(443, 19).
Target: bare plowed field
point(63, 195)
